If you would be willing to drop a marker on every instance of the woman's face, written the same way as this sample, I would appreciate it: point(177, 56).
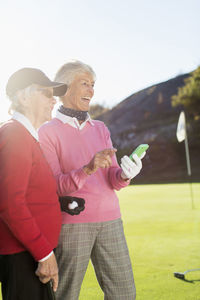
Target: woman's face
point(46, 103)
point(41, 104)
point(80, 92)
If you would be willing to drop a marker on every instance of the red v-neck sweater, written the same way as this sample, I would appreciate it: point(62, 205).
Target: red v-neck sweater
point(30, 217)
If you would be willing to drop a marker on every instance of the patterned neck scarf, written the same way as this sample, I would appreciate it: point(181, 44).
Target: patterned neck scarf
point(78, 114)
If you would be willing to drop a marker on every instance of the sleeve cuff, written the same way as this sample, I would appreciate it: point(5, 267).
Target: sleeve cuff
point(123, 182)
point(46, 257)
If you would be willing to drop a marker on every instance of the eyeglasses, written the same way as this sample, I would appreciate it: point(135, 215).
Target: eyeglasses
point(47, 93)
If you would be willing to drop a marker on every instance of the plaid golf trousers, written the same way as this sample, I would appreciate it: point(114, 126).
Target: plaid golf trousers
point(105, 244)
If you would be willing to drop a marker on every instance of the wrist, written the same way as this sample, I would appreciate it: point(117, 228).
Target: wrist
point(87, 170)
point(123, 176)
point(46, 257)
point(125, 179)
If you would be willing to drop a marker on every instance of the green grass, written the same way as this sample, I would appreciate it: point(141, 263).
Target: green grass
point(163, 235)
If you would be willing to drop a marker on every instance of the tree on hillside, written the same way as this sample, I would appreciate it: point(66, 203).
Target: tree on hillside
point(96, 110)
point(189, 94)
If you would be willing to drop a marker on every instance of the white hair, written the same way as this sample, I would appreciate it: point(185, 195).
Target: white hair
point(25, 93)
point(68, 71)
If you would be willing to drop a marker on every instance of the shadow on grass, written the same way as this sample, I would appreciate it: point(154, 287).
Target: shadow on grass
point(190, 281)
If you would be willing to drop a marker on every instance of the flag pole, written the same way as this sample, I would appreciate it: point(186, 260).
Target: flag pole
point(187, 153)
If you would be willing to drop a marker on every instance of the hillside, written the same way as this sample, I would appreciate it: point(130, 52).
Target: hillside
point(148, 117)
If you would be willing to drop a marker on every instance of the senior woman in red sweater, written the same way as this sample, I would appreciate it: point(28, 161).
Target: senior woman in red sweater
point(80, 153)
point(30, 218)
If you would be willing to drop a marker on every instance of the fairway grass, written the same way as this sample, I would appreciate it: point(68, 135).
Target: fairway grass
point(163, 236)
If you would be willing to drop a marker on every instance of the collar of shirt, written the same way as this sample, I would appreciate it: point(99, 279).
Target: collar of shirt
point(26, 123)
point(72, 121)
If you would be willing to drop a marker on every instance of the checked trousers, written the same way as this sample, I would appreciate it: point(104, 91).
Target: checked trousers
point(105, 244)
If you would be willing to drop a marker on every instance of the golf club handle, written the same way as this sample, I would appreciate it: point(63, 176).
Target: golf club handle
point(192, 270)
point(50, 291)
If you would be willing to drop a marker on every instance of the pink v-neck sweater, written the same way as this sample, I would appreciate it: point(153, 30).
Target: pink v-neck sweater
point(67, 150)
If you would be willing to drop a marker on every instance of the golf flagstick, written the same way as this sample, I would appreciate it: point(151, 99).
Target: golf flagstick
point(181, 134)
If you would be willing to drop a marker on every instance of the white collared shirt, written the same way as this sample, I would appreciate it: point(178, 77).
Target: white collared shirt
point(26, 123)
point(72, 121)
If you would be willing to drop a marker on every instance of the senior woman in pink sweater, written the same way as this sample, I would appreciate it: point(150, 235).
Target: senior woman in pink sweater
point(81, 156)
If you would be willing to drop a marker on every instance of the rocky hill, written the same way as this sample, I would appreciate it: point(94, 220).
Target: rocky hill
point(148, 117)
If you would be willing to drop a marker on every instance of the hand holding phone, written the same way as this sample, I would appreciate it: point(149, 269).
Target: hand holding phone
point(130, 168)
point(132, 165)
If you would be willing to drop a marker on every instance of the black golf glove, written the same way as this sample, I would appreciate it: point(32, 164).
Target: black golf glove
point(66, 200)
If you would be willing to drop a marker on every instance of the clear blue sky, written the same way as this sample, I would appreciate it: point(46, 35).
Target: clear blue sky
point(130, 44)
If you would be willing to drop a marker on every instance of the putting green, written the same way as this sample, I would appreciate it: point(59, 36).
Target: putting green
point(163, 235)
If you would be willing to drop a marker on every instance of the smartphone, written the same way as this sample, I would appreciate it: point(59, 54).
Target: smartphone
point(139, 150)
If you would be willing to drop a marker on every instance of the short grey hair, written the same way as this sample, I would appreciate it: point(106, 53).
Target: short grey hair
point(68, 71)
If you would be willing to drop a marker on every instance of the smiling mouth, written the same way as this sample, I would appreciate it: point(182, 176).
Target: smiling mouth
point(86, 99)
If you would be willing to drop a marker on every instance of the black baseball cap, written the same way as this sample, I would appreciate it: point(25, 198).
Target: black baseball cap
point(28, 76)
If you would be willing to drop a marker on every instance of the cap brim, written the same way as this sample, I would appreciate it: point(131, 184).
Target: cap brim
point(59, 89)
